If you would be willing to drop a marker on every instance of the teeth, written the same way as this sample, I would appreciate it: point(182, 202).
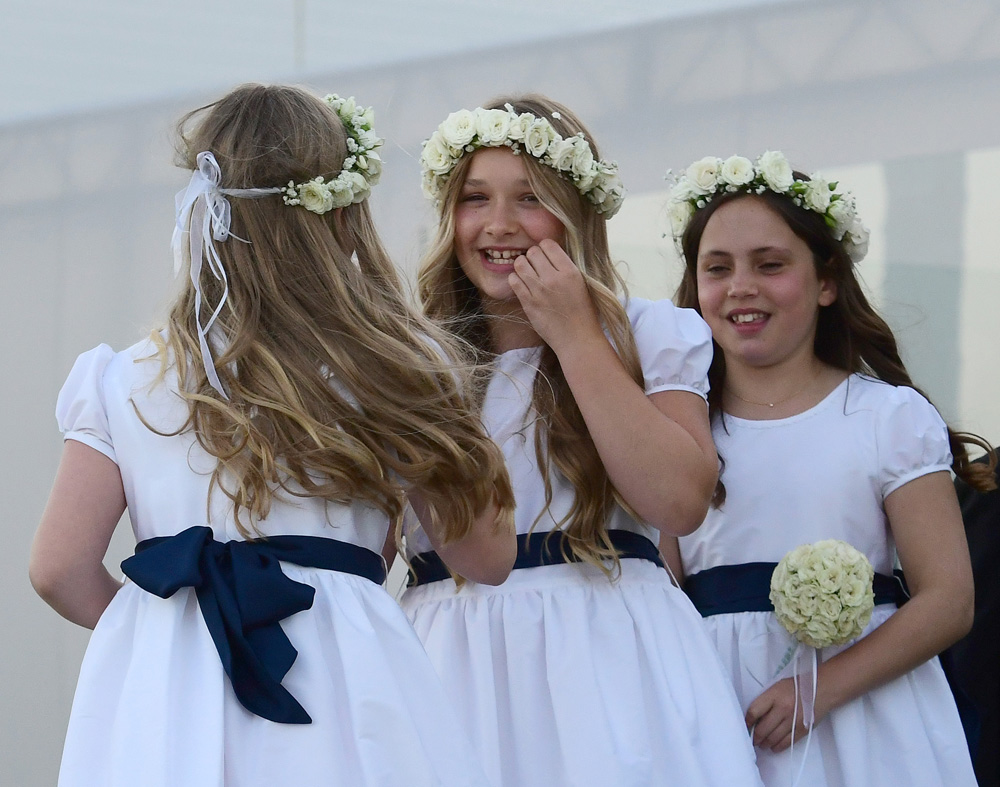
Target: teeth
point(747, 317)
point(505, 254)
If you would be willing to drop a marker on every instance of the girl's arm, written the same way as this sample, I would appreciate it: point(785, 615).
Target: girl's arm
point(927, 526)
point(66, 566)
point(485, 555)
point(657, 449)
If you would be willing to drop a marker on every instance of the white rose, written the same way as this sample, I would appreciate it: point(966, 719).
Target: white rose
point(368, 117)
point(583, 157)
point(680, 214)
point(315, 196)
point(436, 156)
point(832, 578)
point(612, 202)
point(342, 192)
point(492, 125)
point(737, 171)
point(459, 128)
point(776, 171)
point(856, 241)
point(842, 213)
point(561, 154)
point(520, 126)
point(683, 190)
point(432, 185)
point(368, 140)
point(373, 166)
point(538, 137)
point(817, 194)
point(586, 182)
point(703, 175)
point(346, 109)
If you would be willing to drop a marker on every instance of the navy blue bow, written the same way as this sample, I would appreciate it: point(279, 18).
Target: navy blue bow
point(243, 594)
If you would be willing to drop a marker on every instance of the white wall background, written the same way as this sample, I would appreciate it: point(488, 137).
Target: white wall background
point(898, 99)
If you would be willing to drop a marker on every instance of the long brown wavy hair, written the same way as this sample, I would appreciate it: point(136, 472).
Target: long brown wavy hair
point(337, 387)
point(850, 334)
point(562, 441)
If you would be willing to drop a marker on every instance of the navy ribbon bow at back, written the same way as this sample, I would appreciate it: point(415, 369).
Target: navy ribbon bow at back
point(243, 595)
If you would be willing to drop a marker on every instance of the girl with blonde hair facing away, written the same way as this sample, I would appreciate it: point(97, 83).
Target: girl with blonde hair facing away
point(587, 666)
point(822, 436)
point(264, 442)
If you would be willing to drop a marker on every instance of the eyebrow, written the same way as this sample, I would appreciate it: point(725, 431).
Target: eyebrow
point(479, 183)
point(758, 250)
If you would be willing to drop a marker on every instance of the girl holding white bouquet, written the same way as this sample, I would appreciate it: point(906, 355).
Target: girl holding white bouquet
point(587, 666)
point(822, 435)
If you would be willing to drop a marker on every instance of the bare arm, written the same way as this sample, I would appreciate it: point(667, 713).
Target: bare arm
point(657, 449)
point(927, 525)
point(66, 566)
point(485, 555)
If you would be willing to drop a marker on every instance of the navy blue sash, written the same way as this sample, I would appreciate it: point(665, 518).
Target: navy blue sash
point(242, 594)
point(745, 588)
point(537, 549)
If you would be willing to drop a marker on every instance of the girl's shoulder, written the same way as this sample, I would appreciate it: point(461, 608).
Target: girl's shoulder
point(667, 320)
point(869, 394)
point(910, 436)
point(674, 344)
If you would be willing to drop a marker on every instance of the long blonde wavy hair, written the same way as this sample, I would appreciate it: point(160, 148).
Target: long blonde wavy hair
point(337, 387)
point(562, 441)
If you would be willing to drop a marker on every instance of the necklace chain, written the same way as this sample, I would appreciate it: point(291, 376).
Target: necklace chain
point(790, 396)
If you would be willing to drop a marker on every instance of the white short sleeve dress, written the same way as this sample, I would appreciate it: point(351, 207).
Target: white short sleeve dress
point(822, 474)
point(153, 705)
point(562, 676)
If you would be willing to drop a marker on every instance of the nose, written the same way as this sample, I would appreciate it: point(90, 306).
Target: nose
point(742, 284)
point(500, 220)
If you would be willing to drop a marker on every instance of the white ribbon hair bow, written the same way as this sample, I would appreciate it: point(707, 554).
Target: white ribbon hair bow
point(203, 213)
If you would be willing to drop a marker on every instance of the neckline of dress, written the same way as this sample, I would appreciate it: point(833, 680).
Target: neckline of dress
point(765, 423)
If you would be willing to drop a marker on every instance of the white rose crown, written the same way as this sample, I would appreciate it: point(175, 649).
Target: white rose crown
point(362, 167)
point(468, 130)
point(710, 176)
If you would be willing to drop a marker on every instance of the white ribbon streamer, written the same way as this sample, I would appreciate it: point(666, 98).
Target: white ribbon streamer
point(203, 213)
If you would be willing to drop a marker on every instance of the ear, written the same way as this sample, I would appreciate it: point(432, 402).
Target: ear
point(827, 292)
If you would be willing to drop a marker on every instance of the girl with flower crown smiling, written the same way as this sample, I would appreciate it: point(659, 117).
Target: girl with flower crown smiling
point(263, 443)
point(822, 435)
point(587, 666)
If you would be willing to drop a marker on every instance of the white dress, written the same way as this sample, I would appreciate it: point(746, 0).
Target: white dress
point(825, 473)
point(153, 706)
point(562, 676)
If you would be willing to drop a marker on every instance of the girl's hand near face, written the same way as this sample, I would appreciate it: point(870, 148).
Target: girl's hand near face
point(657, 449)
point(554, 296)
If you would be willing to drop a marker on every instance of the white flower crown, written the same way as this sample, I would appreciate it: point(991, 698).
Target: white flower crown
point(468, 130)
point(709, 176)
point(362, 167)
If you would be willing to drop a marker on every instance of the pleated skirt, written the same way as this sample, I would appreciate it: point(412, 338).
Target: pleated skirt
point(566, 678)
point(154, 707)
point(906, 732)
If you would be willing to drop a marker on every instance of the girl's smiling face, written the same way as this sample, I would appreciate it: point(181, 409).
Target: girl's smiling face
point(757, 285)
point(498, 218)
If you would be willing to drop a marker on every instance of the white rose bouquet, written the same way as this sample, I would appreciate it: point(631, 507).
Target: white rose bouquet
point(822, 593)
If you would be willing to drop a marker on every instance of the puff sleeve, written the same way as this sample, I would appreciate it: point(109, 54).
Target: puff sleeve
point(81, 410)
point(675, 346)
point(912, 439)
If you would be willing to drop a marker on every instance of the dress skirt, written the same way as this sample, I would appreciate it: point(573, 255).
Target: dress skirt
point(905, 732)
point(154, 707)
point(566, 678)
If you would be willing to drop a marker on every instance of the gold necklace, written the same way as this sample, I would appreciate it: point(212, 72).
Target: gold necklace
point(790, 396)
